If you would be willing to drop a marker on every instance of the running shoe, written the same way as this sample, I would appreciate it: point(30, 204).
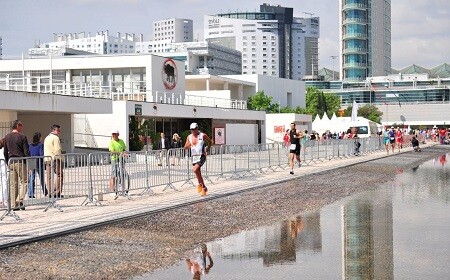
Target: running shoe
point(204, 190)
point(199, 188)
point(292, 172)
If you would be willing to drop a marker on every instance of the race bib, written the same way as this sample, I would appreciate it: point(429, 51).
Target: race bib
point(292, 146)
point(196, 158)
point(392, 138)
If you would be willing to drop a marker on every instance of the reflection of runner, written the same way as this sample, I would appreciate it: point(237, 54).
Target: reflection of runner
point(196, 142)
point(197, 262)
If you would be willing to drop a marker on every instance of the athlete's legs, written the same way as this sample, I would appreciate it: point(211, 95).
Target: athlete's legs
point(198, 174)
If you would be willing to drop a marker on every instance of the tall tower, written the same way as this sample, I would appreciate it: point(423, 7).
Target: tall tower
point(365, 38)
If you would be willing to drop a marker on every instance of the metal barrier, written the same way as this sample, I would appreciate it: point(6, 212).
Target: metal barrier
point(3, 185)
point(41, 181)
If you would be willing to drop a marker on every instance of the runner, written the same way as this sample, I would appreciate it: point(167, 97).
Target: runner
point(392, 138)
point(399, 139)
point(386, 140)
point(196, 142)
point(294, 148)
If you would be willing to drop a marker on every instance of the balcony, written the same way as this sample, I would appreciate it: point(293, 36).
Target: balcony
point(354, 36)
point(355, 20)
point(355, 50)
point(354, 6)
point(355, 65)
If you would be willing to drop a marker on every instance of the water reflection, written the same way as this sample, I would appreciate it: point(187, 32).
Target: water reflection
point(398, 231)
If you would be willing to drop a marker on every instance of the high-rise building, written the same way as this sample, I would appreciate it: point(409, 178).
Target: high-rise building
point(365, 38)
point(176, 30)
point(272, 41)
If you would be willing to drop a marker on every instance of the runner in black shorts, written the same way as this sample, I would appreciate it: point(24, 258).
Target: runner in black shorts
point(294, 148)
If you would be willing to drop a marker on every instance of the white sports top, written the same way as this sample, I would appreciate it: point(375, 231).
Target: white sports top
point(199, 148)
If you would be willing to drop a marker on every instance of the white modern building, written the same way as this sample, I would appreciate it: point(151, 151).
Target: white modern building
point(272, 41)
point(203, 58)
point(175, 30)
point(100, 43)
point(365, 39)
point(146, 86)
point(165, 33)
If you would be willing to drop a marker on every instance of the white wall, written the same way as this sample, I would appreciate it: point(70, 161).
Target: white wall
point(42, 123)
point(241, 134)
point(284, 120)
point(277, 88)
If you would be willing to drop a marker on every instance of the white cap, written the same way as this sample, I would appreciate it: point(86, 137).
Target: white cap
point(115, 132)
point(194, 125)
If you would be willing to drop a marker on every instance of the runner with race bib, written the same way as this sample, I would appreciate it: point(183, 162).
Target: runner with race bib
point(196, 141)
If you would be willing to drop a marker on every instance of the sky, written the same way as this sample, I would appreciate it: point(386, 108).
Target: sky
point(419, 27)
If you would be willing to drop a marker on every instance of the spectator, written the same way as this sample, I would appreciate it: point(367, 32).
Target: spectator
point(163, 145)
point(37, 150)
point(53, 159)
point(16, 146)
point(176, 144)
point(415, 144)
point(117, 148)
point(286, 139)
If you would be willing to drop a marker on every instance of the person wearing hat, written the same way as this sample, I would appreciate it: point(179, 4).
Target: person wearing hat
point(196, 141)
point(117, 148)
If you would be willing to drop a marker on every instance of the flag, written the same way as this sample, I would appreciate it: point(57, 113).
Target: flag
point(354, 112)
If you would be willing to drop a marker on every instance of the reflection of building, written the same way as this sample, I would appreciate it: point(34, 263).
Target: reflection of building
point(275, 244)
point(368, 240)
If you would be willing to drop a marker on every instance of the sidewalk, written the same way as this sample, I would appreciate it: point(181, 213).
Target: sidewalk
point(35, 224)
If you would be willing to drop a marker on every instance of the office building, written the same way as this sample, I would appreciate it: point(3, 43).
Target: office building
point(175, 30)
point(365, 39)
point(272, 41)
point(101, 43)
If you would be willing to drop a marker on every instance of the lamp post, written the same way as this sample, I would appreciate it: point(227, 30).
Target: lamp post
point(333, 57)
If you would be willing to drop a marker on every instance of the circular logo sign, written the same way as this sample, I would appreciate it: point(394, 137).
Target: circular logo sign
point(169, 74)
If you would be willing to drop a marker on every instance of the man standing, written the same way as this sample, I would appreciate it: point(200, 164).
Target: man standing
point(117, 148)
point(294, 148)
point(53, 158)
point(163, 145)
point(16, 146)
point(196, 142)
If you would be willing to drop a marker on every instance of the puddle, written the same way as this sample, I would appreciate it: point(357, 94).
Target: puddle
point(399, 231)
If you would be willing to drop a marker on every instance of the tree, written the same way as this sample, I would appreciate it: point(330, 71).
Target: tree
point(262, 102)
point(318, 102)
point(367, 111)
point(134, 142)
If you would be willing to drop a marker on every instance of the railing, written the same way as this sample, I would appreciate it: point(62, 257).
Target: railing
point(130, 91)
point(88, 176)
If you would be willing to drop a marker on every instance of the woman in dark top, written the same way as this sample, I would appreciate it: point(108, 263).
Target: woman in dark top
point(36, 150)
point(176, 144)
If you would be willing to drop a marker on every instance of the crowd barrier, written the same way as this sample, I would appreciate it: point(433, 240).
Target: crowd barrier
point(44, 181)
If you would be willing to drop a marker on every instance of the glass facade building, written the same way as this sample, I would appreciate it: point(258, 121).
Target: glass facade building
point(365, 39)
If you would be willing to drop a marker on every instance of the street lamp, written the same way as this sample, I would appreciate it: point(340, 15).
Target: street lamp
point(333, 57)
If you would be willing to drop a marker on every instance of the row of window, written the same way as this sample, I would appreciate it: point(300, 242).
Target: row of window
point(264, 55)
point(264, 43)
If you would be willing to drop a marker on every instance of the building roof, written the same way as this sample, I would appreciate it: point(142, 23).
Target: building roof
point(327, 74)
point(440, 71)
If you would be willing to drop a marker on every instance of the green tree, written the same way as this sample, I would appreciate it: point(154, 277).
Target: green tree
point(318, 102)
point(367, 111)
point(262, 102)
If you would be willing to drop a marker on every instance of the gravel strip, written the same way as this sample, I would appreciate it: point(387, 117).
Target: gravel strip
point(138, 246)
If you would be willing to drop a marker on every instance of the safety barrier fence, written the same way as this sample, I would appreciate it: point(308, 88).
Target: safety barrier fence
point(39, 180)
